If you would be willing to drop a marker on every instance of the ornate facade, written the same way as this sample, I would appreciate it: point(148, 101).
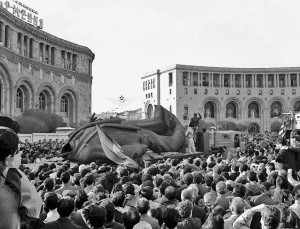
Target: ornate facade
point(39, 70)
point(258, 95)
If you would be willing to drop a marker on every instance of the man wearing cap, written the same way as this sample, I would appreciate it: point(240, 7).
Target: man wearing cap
point(10, 157)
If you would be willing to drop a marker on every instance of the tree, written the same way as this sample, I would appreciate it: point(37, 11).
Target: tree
point(29, 125)
point(227, 125)
point(243, 124)
point(50, 120)
point(275, 126)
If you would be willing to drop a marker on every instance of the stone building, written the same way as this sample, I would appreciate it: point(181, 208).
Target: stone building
point(259, 95)
point(39, 70)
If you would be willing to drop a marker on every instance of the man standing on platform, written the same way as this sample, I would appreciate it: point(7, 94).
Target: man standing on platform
point(190, 139)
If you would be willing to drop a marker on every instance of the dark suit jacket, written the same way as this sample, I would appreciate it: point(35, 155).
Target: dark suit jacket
point(62, 223)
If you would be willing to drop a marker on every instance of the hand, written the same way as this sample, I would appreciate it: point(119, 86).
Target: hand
point(290, 170)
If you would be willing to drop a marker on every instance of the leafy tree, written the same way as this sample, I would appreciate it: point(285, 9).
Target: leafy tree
point(275, 126)
point(51, 120)
point(243, 124)
point(29, 125)
point(227, 125)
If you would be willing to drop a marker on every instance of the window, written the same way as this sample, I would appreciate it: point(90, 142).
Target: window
point(19, 43)
point(186, 110)
point(205, 80)
point(170, 79)
point(237, 80)
point(226, 80)
point(231, 110)
point(41, 51)
point(170, 91)
point(216, 80)
point(259, 80)
point(64, 104)
point(154, 83)
point(195, 79)
point(20, 99)
point(271, 80)
point(185, 90)
point(63, 59)
point(225, 136)
point(42, 101)
point(248, 80)
point(293, 78)
point(281, 80)
point(195, 91)
point(185, 79)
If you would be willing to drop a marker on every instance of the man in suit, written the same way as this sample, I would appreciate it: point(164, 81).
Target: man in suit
point(65, 208)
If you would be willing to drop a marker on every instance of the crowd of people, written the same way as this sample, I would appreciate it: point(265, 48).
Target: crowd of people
point(248, 189)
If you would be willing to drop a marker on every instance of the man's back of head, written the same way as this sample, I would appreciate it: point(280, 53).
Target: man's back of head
point(65, 207)
point(237, 205)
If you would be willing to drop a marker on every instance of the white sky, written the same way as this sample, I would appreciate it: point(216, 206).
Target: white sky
point(133, 37)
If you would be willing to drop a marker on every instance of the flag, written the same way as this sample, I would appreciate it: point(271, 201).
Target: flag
point(282, 130)
point(113, 150)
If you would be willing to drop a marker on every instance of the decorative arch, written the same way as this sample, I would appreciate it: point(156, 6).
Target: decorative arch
point(295, 104)
point(259, 102)
point(68, 104)
point(233, 107)
point(50, 94)
point(6, 92)
point(279, 99)
point(254, 110)
point(276, 109)
point(210, 109)
point(27, 88)
point(231, 110)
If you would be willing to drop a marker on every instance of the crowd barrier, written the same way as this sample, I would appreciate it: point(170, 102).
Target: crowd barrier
point(41, 136)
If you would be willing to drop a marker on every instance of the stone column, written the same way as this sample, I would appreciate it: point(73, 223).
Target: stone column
point(2, 33)
point(21, 44)
point(200, 78)
point(267, 80)
point(221, 79)
point(231, 80)
point(28, 51)
point(44, 53)
point(286, 80)
point(289, 80)
point(50, 55)
point(276, 80)
point(8, 38)
point(210, 79)
point(71, 67)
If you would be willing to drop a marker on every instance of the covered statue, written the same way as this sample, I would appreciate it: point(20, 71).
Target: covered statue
point(125, 142)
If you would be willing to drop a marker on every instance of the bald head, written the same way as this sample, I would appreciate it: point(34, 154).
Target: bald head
point(237, 205)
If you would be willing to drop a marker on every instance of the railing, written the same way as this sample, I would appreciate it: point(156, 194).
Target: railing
point(31, 138)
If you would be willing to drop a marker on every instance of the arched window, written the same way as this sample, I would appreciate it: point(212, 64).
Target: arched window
point(276, 109)
point(20, 99)
point(253, 110)
point(297, 106)
point(64, 104)
point(150, 111)
point(42, 101)
point(186, 110)
point(231, 110)
point(209, 110)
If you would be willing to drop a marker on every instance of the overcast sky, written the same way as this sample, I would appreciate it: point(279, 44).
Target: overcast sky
point(133, 37)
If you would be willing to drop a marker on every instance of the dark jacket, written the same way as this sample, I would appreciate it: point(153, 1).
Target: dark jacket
point(62, 223)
